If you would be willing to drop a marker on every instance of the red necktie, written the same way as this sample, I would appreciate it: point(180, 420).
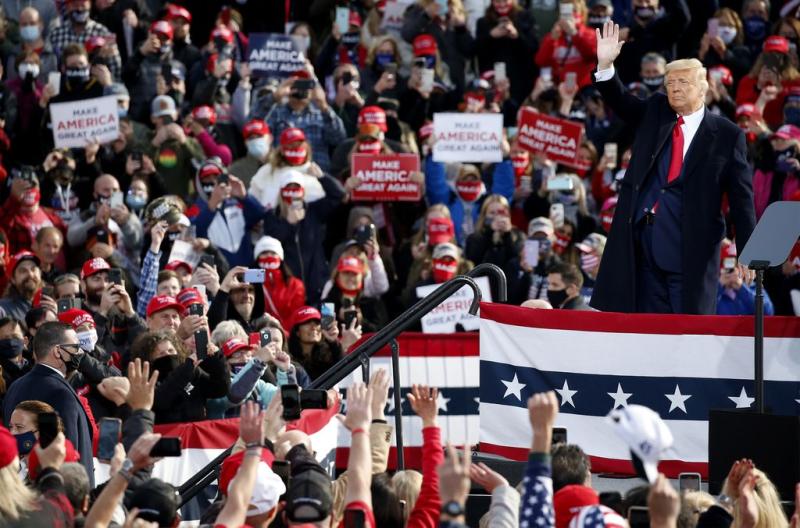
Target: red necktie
point(676, 160)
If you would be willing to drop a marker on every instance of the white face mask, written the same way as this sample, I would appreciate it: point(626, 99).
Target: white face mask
point(26, 67)
point(301, 42)
point(727, 34)
point(258, 147)
point(88, 339)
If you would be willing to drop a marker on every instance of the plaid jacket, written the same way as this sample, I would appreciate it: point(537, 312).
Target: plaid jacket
point(63, 35)
point(324, 130)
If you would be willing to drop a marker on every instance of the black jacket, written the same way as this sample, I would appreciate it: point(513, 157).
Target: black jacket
point(716, 163)
point(182, 395)
point(43, 383)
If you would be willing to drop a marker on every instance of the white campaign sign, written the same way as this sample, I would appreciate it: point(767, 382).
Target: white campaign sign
point(183, 251)
point(454, 310)
point(468, 137)
point(393, 14)
point(78, 123)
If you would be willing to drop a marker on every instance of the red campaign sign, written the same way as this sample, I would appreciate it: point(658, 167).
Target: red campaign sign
point(385, 178)
point(558, 139)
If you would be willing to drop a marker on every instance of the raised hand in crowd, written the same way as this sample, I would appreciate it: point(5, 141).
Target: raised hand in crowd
point(542, 412)
point(379, 383)
point(454, 480)
point(664, 504)
point(141, 392)
point(423, 400)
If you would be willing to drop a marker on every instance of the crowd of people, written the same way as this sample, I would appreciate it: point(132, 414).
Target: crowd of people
point(217, 239)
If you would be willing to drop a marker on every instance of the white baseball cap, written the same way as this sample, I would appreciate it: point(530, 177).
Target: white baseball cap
point(646, 435)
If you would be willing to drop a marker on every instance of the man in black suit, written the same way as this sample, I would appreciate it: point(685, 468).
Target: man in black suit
point(58, 352)
point(662, 254)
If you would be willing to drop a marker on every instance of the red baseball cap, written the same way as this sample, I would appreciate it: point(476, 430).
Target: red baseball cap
point(175, 264)
point(231, 465)
point(354, 19)
point(205, 112)
point(95, 42)
point(76, 317)
point(569, 500)
point(746, 109)
point(787, 132)
point(440, 230)
point(8, 447)
point(725, 75)
point(221, 32)
point(209, 170)
point(162, 27)
point(255, 127)
point(163, 302)
point(72, 455)
point(305, 314)
point(95, 265)
point(292, 135)
point(776, 44)
point(189, 296)
point(350, 264)
point(233, 345)
point(373, 115)
point(424, 44)
point(19, 257)
point(176, 11)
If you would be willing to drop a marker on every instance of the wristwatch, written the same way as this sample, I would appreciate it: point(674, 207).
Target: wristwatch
point(725, 501)
point(125, 470)
point(453, 509)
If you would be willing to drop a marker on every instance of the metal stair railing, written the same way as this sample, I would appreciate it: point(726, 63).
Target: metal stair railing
point(360, 358)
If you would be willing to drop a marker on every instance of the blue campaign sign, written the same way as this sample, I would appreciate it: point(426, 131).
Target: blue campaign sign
point(274, 55)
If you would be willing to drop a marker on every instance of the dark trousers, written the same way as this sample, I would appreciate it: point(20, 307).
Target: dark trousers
point(657, 291)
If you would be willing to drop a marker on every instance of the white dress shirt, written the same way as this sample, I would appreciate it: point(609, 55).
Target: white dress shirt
point(53, 368)
point(691, 122)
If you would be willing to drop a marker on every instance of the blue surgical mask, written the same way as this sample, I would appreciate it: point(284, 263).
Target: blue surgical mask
point(136, 202)
point(258, 147)
point(122, 112)
point(80, 16)
point(755, 28)
point(25, 442)
point(29, 33)
point(382, 59)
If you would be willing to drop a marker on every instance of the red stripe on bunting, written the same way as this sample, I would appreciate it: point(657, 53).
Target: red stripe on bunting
point(671, 468)
point(586, 321)
point(414, 344)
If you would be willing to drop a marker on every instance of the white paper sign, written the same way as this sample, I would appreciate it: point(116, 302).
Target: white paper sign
point(468, 137)
point(183, 251)
point(393, 14)
point(454, 310)
point(78, 123)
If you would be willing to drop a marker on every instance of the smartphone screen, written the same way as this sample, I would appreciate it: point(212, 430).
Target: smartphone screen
point(314, 399)
point(559, 435)
point(117, 199)
point(54, 80)
point(713, 27)
point(168, 446)
point(689, 482)
point(426, 80)
point(109, 438)
point(290, 397)
point(531, 254)
point(255, 276)
point(349, 317)
point(639, 517)
point(560, 183)
point(201, 336)
point(48, 428)
point(500, 71)
point(342, 19)
point(566, 10)
point(115, 276)
point(264, 337)
point(610, 152)
point(571, 79)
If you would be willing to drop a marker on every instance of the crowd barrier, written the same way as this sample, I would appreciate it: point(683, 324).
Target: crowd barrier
point(681, 366)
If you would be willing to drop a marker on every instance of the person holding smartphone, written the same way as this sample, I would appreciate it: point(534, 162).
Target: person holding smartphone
point(496, 240)
point(734, 297)
point(314, 347)
point(283, 292)
point(505, 33)
point(570, 47)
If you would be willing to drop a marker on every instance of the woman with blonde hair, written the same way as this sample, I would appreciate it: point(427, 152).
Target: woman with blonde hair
point(743, 476)
point(380, 78)
point(23, 506)
point(495, 239)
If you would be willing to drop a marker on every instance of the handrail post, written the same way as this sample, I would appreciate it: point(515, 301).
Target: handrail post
point(500, 277)
point(398, 409)
point(364, 367)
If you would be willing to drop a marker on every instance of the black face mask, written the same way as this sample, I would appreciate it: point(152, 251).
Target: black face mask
point(300, 94)
point(78, 76)
point(351, 40)
point(557, 297)
point(597, 21)
point(166, 364)
point(73, 361)
point(11, 348)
